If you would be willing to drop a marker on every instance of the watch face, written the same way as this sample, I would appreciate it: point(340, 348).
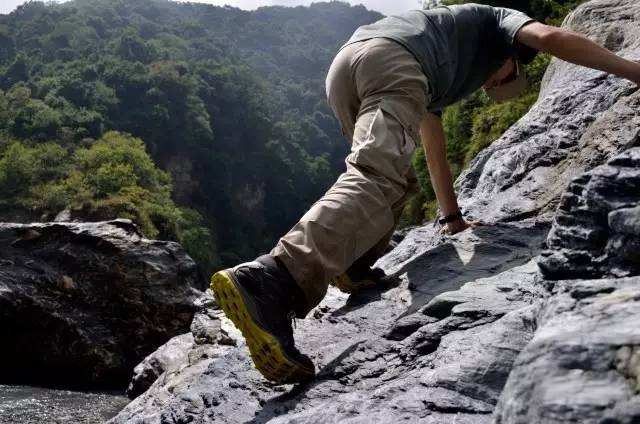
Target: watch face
point(510, 87)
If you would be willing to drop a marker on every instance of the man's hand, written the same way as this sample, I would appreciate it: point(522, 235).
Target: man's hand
point(458, 226)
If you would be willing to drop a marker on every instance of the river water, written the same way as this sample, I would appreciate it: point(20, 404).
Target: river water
point(34, 405)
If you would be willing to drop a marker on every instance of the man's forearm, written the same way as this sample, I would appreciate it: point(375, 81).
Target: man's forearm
point(576, 48)
point(433, 140)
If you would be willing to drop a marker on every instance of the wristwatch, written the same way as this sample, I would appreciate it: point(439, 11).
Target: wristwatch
point(450, 218)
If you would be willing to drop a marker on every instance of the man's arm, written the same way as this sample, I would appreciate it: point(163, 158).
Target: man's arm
point(576, 48)
point(435, 149)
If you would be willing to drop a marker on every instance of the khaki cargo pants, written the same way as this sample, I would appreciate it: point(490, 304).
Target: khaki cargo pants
point(378, 92)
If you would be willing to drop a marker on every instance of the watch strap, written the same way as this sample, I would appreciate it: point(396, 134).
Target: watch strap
point(450, 218)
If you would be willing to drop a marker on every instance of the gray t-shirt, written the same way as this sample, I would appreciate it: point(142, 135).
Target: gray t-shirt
point(459, 47)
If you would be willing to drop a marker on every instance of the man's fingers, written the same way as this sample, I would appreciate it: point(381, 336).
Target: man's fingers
point(474, 223)
point(447, 230)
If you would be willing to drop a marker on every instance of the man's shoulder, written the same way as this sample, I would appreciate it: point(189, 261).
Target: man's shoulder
point(466, 8)
point(467, 12)
point(457, 10)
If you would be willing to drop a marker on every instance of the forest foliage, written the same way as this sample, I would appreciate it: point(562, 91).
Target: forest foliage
point(206, 125)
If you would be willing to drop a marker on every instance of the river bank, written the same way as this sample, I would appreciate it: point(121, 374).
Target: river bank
point(36, 405)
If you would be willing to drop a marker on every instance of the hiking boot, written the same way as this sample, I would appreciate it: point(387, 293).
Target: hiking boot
point(262, 299)
point(357, 277)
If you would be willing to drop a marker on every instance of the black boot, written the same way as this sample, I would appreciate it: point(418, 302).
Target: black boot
point(261, 298)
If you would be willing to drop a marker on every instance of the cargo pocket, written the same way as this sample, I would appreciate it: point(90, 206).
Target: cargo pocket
point(385, 140)
point(406, 113)
point(408, 117)
point(409, 146)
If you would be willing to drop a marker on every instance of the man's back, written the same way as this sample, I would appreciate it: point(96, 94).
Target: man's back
point(458, 47)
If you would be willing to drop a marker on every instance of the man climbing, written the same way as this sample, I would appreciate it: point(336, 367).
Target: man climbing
point(387, 86)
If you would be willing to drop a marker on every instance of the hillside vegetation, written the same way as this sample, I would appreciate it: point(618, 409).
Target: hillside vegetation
point(229, 104)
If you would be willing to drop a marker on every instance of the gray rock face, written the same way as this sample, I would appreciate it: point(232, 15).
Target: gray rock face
point(168, 357)
point(596, 230)
point(81, 304)
point(583, 364)
point(389, 353)
point(466, 329)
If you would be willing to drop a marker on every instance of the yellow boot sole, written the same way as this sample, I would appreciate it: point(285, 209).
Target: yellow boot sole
point(266, 351)
point(347, 285)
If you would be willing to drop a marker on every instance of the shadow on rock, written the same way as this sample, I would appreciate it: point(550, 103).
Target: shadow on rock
point(468, 256)
point(282, 404)
point(368, 295)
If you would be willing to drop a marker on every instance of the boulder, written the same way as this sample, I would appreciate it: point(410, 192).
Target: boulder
point(583, 364)
point(82, 303)
point(206, 329)
point(596, 230)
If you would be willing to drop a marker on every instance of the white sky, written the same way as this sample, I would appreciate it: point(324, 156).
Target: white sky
point(384, 6)
point(7, 6)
